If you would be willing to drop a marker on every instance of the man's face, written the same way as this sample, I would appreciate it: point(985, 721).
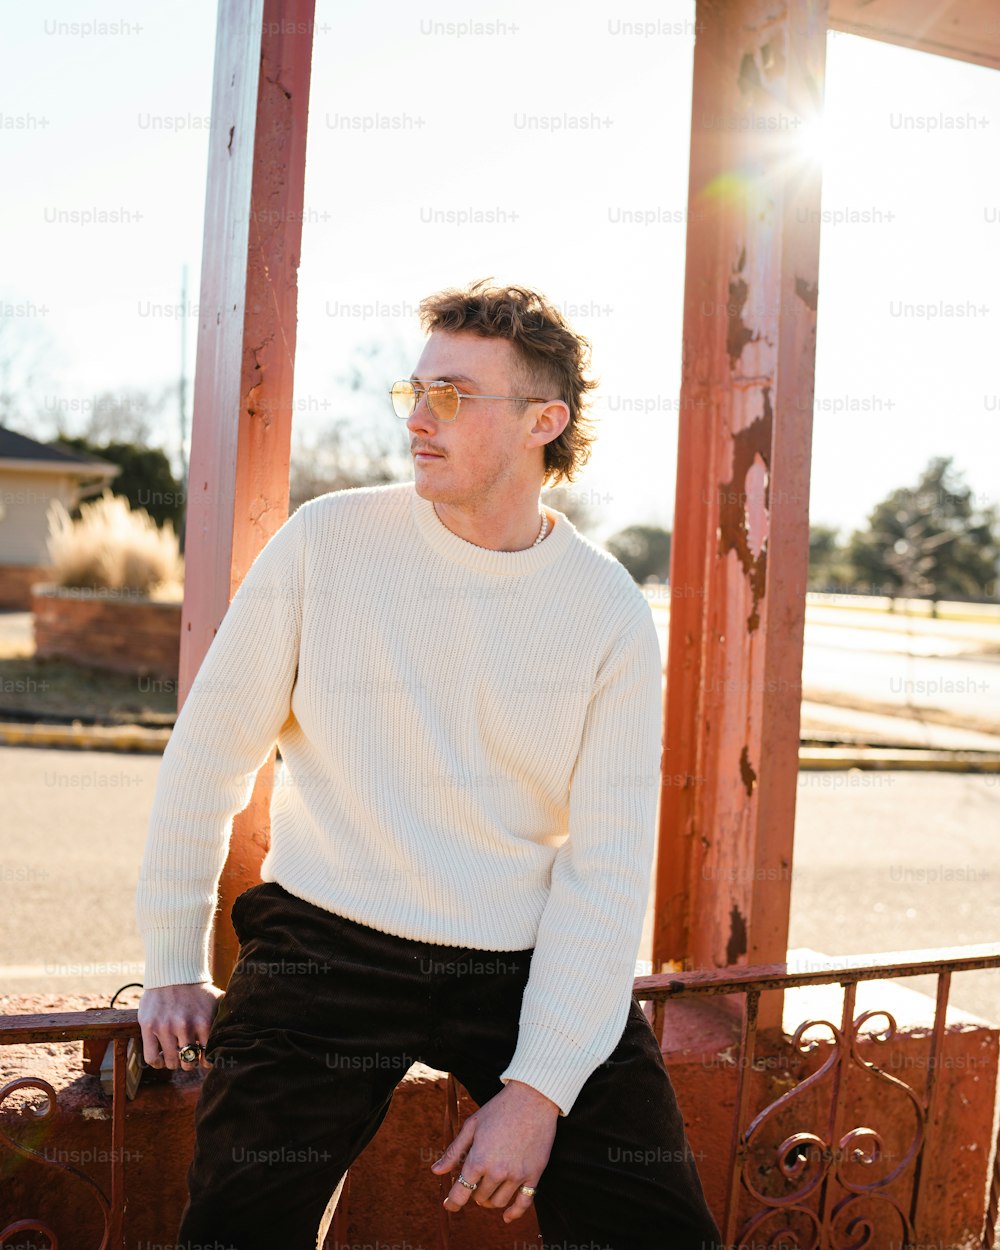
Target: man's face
point(487, 450)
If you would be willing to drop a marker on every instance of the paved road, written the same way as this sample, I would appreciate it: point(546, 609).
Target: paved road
point(878, 663)
point(883, 861)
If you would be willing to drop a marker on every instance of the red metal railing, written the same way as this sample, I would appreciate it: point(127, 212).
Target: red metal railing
point(116, 1026)
point(814, 1164)
point(839, 1144)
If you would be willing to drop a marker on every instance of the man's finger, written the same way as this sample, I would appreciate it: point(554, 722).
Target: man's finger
point(171, 1050)
point(455, 1152)
point(174, 1042)
point(518, 1207)
point(150, 1046)
point(203, 1040)
point(452, 1158)
point(205, 1031)
point(187, 1065)
point(460, 1194)
point(503, 1194)
point(163, 1042)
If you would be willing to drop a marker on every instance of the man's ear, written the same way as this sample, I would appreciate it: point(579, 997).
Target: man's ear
point(553, 418)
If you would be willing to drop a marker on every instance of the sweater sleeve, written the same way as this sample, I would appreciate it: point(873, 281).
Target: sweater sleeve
point(577, 997)
point(223, 734)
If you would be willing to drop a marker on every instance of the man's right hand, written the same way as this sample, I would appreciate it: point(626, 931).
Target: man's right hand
point(172, 1016)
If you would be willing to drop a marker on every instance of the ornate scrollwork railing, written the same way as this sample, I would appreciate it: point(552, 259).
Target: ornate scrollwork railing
point(829, 1185)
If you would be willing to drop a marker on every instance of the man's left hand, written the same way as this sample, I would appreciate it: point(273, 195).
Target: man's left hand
point(502, 1146)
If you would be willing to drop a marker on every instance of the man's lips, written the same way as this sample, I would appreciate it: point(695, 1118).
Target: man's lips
point(430, 455)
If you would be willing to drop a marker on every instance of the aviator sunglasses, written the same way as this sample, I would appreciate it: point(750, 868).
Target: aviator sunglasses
point(443, 398)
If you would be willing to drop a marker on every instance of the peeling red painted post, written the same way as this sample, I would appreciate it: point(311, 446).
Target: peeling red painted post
point(741, 530)
point(241, 430)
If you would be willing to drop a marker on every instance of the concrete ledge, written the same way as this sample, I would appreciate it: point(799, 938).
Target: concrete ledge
point(817, 758)
point(84, 737)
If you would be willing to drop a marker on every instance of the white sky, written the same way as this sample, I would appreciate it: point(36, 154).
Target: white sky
point(82, 128)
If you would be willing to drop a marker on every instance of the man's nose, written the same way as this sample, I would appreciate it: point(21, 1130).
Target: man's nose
point(421, 418)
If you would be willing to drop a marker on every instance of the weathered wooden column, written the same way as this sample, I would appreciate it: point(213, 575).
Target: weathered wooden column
point(741, 532)
point(241, 431)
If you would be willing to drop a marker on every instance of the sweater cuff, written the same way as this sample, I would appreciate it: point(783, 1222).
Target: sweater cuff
point(175, 957)
point(552, 1063)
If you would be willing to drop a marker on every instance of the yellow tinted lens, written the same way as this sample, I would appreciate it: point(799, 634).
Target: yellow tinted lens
point(403, 398)
point(443, 399)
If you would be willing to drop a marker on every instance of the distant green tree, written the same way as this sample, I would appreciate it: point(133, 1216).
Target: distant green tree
point(828, 567)
point(930, 541)
point(643, 549)
point(127, 415)
point(146, 479)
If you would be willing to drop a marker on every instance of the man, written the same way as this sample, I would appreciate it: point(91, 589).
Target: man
point(467, 697)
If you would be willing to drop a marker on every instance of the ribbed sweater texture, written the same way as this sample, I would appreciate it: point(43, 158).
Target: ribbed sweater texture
point(471, 746)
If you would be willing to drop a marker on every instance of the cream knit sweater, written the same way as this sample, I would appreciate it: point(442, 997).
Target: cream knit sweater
point(471, 745)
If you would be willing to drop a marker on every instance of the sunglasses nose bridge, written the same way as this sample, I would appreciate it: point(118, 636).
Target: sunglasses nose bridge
point(416, 399)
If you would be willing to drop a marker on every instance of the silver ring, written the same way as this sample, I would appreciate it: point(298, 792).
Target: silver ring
point(529, 1190)
point(467, 1184)
point(190, 1052)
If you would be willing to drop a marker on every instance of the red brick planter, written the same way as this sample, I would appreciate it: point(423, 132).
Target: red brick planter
point(113, 629)
point(16, 581)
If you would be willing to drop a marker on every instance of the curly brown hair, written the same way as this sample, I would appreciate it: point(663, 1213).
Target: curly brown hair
point(552, 357)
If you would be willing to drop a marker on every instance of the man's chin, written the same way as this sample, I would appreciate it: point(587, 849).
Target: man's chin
point(426, 487)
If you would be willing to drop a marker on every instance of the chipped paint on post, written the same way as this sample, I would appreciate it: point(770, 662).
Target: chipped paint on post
point(747, 490)
point(740, 542)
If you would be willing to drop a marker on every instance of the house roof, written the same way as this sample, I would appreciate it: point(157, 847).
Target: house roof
point(18, 450)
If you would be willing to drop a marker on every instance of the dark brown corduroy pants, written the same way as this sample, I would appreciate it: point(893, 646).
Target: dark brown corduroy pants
point(322, 1018)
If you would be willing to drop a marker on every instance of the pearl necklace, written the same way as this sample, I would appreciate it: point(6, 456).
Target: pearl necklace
point(541, 533)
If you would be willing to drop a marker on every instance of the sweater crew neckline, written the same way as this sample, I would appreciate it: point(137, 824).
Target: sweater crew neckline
point(482, 559)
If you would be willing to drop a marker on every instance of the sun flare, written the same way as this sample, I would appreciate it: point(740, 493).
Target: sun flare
point(810, 139)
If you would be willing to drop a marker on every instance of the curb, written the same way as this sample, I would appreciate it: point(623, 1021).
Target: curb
point(812, 759)
point(85, 737)
point(892, 758)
